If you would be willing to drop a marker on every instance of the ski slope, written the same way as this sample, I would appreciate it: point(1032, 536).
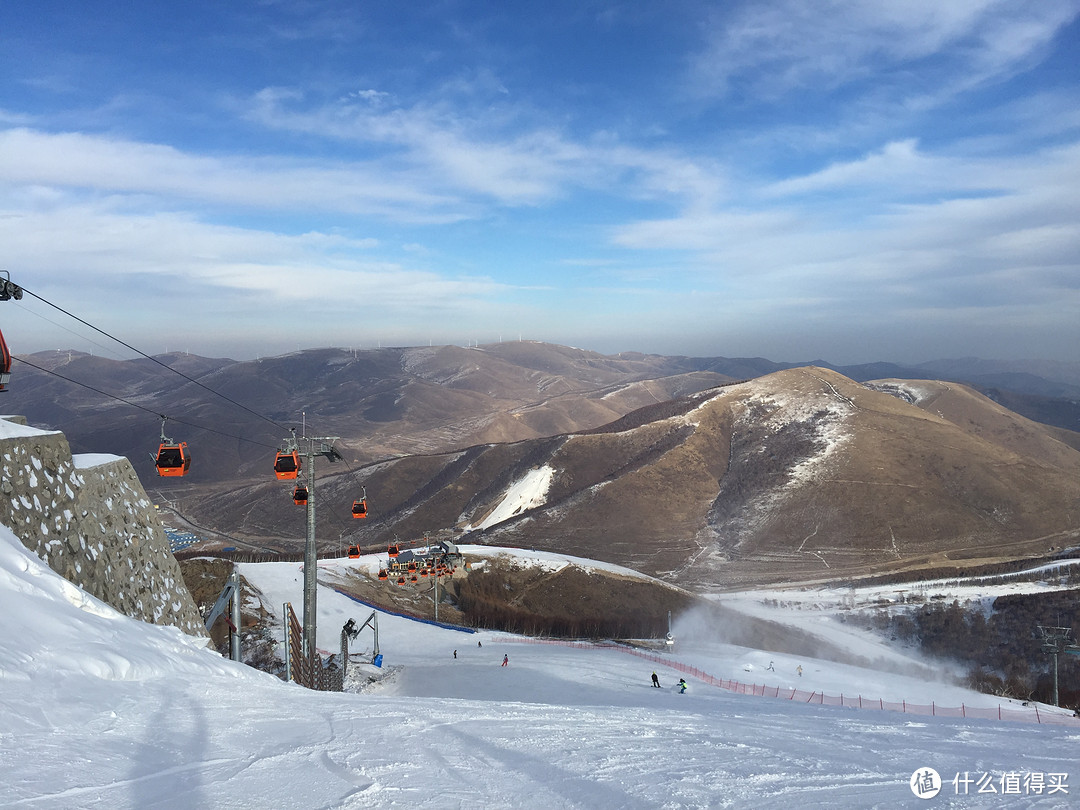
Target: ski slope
point(100, 711)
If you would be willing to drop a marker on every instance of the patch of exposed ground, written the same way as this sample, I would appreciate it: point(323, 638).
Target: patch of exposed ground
point(205, 578)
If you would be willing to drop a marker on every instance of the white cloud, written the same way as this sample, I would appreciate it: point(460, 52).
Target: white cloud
point(494, 155)
point(108, 165)
point(776, 47)
point(719, 231)
point(437, 144)
point(896, 163)
point(945, 245)
point(370, 96)
point(73, 243)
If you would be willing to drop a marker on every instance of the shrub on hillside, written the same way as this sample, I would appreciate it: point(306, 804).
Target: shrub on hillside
point(1004, 650)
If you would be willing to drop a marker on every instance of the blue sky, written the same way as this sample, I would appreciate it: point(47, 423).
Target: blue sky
point(837, 180)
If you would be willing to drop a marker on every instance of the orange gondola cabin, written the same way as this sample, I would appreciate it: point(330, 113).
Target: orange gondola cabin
point(359, 508)
point(287, 465)
point(299, 496)
point(172, 459)
point(5, 368)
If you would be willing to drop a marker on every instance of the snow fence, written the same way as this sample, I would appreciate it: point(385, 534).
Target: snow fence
point(1032, 715)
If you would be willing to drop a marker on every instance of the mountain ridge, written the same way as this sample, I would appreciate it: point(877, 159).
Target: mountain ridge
point(667, 465)
point(800, 474)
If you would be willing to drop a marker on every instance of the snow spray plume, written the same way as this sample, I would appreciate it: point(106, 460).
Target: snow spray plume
point(717, 624)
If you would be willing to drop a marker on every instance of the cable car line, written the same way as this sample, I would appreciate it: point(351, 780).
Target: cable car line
point(90, 387)
point(142, 407)
point(59, 325)
point(154, 359)
point(173, 457)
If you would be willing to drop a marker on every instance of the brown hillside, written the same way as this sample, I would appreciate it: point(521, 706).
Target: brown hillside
point(383, 403)
point(802, 474)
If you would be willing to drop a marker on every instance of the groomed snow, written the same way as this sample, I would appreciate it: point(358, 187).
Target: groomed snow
point(527, 493)
point(100, 711)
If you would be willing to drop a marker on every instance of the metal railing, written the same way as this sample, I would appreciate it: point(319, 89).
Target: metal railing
point(312, 672)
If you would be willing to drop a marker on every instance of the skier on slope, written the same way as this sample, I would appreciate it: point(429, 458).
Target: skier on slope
point(655, 681)
point(682, 686)
point(506, 660)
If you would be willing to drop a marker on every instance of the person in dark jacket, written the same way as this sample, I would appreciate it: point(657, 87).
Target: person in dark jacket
point(655, 681)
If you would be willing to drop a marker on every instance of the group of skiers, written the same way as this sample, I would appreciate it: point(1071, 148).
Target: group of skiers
point(681, 685)
point(506, 658)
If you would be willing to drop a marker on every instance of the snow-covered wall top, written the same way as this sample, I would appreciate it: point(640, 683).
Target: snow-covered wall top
point(89, 518)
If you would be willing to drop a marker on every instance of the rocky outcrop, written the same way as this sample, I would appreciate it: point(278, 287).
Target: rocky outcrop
point(90, 519)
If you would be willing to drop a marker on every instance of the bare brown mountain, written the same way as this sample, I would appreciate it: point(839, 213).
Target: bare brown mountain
point(802, 474)
point(381, 402)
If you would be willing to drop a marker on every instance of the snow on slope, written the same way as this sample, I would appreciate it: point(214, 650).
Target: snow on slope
point(528, 492)
point(100, 711)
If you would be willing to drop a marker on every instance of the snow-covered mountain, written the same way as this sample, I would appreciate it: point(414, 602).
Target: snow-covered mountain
point(101, 711)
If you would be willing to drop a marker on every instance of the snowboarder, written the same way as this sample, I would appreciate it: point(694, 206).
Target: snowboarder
point(799, 670)
point(769, 668)
point(478, 644)
point(506, 660)
point(455, 653)
point(655, 681)
point(682, 686)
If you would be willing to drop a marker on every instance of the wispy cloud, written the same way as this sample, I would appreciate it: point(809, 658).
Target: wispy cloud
point(945, 244)
point(773, 48)
point(69, 244)
point(437, 140)
point(111, 165)
point(493, 154)
point(892, 172)
point(841, 162)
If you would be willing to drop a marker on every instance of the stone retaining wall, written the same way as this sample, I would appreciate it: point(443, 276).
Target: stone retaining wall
point(90, 519)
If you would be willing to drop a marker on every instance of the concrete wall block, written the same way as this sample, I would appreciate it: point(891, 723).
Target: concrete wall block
point(94, 526)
